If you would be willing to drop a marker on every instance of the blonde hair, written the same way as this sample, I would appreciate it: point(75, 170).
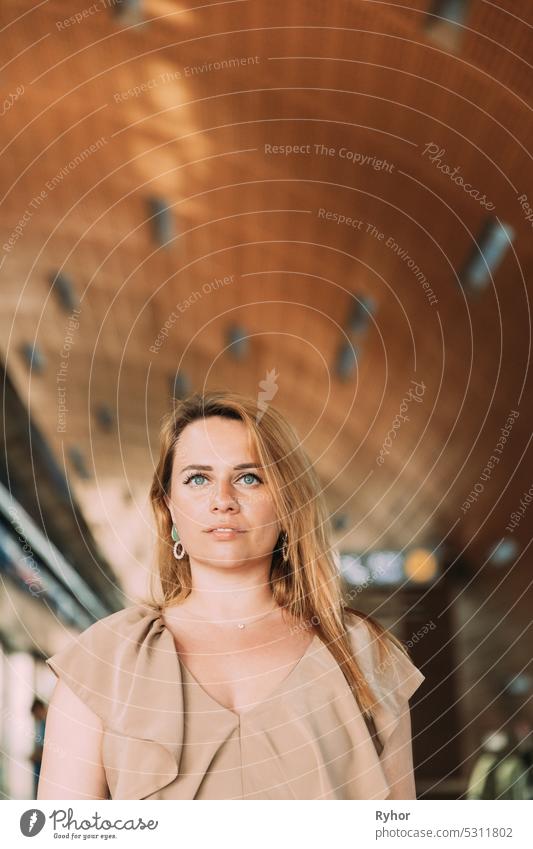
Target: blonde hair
point(308, 584)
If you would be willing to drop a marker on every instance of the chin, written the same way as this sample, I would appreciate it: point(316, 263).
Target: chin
point(221, 558)
point(226, 564)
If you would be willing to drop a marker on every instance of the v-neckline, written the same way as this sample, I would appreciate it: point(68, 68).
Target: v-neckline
point(241, 714)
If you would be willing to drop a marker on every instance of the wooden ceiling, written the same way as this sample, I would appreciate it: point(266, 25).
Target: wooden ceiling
point(169, 115)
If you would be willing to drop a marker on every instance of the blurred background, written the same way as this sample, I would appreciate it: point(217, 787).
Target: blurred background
point(328, 206)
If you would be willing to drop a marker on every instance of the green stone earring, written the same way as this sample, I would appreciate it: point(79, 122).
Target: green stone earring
point(177, 544)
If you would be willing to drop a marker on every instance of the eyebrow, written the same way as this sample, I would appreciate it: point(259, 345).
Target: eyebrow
point(210, 468)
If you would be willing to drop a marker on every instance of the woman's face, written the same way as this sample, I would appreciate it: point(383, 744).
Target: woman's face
point(208, 489)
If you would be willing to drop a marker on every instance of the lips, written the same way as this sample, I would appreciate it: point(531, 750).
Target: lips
point(226, 534)
point(225, 529)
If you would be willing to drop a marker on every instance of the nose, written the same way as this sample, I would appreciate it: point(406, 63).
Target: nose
point(224, 498)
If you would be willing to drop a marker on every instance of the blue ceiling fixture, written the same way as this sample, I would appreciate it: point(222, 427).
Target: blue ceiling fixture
point(445, 22)
point(130, 9)
point(78, 461)
point(492, 244)
point(65, 290)
point(104, 417)
point(340, 521)
point(504, 552)
point(161, 220)
point(237, 342)
point(346, 361)
point(451, 11)
point(180, 385)
point(362, 310)
point(35, 359)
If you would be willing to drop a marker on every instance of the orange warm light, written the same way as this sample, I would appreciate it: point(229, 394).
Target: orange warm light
point(420, 565)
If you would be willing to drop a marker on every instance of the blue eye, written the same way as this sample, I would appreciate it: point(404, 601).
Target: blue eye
point(251, 475)
point(199, 475)
point(191, 477)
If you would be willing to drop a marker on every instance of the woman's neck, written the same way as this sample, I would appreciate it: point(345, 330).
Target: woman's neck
point(230, 593)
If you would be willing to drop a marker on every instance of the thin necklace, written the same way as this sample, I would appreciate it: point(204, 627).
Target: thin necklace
point(240, 625)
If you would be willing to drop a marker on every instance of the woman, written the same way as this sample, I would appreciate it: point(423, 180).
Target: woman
point(244, 676)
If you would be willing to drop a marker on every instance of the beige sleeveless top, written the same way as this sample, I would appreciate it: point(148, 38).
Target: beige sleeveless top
point(165, 737)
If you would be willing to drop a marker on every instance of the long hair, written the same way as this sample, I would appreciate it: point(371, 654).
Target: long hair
point(307, 585)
